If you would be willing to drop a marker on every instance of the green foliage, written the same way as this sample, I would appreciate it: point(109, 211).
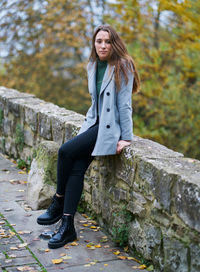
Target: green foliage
point(19, 137)
point(120, 230)
point(21, 164)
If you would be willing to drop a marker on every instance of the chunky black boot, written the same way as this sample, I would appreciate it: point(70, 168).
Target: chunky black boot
point(65, 234)
point(53, 214)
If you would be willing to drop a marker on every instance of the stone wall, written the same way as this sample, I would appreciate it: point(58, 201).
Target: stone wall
point(149, 195)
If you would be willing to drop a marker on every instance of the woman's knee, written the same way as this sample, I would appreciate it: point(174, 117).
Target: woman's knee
point(63, 151)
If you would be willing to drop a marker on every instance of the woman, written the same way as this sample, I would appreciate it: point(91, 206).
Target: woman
point(107, 129)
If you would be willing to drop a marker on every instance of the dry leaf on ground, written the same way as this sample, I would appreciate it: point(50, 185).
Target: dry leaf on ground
point(57, 261)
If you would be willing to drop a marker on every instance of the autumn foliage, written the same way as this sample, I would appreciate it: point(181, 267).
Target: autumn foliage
point(46, 45)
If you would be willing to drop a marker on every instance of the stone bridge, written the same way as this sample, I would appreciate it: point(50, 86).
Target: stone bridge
point(149, 195)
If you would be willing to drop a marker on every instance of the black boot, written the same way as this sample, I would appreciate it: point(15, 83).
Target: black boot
point(65, 234)
point(53, 213)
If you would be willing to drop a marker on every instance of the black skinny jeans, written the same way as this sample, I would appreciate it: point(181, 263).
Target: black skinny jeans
point(74, 157)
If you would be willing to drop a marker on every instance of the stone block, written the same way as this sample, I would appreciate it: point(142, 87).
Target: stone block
point(195, 257)
point(145, 238)
point(136, 209)
point(42, 176)
point(187, 203)
point(45, 126)
point(175, 255)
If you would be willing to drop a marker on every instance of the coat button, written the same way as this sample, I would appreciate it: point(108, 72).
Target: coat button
point(108, 93)
point(85, 119)
point(108, 126)
point(108, 109)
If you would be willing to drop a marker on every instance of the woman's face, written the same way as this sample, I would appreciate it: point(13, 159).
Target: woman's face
point(103, 45)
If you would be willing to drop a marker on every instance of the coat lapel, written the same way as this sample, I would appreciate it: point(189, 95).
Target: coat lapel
point(92, 78)
point(107, 77)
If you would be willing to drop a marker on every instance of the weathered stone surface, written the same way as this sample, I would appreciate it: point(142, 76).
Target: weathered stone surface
point(151, 185)
point(42, 176)
point(175, 256)
point(195, 257)
point(144, 238)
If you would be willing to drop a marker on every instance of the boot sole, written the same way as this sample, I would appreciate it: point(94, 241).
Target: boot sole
point(49, 222)
point(65, 241)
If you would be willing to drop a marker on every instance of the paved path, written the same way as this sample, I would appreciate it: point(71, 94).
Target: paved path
point(23, 249)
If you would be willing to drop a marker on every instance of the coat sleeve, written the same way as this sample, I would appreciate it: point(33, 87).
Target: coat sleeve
point(124, 105)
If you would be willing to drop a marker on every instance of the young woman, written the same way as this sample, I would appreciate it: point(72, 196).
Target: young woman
point(107, 129)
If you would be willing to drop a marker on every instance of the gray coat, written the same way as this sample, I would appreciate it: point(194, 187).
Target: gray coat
point(115, 111)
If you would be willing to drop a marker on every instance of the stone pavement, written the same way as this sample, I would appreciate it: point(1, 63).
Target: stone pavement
point(23, 249)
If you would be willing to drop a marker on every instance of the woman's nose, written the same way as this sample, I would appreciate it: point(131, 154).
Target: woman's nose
point(103, 45)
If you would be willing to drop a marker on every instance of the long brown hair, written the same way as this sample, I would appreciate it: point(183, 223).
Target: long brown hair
point(119, 55)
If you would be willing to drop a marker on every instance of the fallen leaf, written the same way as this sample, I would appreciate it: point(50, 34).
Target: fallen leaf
point(98, 246)
point(24, 268)
point(126, 249)
point(12, 256)
point(57, 261)
point(143, 266)
point(8, 210)
point(83, 221)
point(87, 265)
point(105, 264)
point(107, 246)
point(66, 257)
point(62, 254)
point(134, 259)
point(93, 227)
point(47, 250)
point(66, 247)
point(85, 225)
point(13, 248)
point(74, 244)
point(116, 252)
point(13, 224)
point(22, 245)
point(8, 261)
point(85, 215)
point(21, 172)
point(122, 257)
point(2, 222)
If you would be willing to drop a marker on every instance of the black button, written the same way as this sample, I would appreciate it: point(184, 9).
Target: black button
point(108, 109)
point(108, 93)
point(85, 119)
point(108, 126)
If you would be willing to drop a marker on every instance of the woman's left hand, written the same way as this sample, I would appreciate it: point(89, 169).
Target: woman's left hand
point(121, 144)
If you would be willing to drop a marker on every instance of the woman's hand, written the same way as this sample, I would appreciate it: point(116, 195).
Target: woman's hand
point(121, 144)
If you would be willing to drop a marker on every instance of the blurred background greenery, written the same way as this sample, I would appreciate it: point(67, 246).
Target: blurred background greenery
point(44, 48)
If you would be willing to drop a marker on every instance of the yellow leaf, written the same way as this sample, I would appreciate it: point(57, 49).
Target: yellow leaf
point(47, 250)
point(98, 246)
point(87, 265)
point(57, 261)
point(134, 259)
point(74, 244)
point(93, 227)
point(116, 252)
point(85, 215)
point(21, 172)
point(143, 266)
point(105, 264)
point(122, 257)
point(85, 225)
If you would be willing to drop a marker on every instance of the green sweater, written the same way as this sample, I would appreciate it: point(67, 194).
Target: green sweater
point(101, 68)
